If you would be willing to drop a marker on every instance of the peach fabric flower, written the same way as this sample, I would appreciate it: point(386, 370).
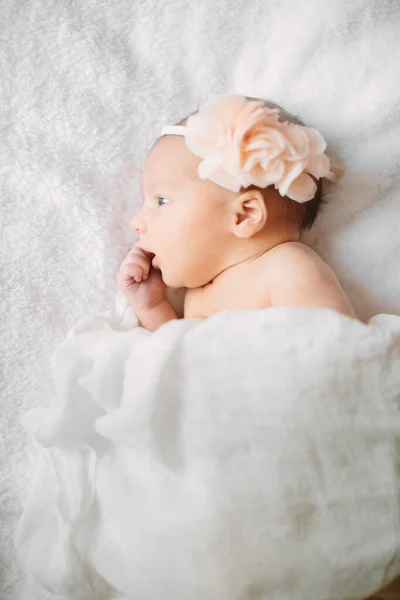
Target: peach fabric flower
point(243, 143)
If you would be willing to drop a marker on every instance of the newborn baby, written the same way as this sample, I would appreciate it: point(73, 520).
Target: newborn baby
point(227, 193)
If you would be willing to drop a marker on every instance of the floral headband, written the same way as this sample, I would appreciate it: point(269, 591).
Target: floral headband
point(243, 143)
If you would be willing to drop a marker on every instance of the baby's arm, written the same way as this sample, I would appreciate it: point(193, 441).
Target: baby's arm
point(152, 318)
point(144, 288)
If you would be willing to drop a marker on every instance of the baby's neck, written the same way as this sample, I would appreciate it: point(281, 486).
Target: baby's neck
point(254, 248)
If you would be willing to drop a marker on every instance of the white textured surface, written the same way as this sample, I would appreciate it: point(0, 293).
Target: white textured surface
point(85, 88)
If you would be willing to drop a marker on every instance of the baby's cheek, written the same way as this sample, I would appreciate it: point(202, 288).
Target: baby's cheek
point(183, 272)
point(173, 280)
point(173, 269)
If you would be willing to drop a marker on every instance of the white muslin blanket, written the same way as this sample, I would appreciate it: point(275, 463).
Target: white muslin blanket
point(253, 455)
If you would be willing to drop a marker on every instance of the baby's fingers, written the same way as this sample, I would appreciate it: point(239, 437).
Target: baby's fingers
point(136, 250)
point(135, 272)
point(140, 261)
point(129, 274)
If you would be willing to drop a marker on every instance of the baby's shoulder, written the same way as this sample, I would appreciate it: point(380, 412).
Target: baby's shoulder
point(295, 260)
point(297, 276)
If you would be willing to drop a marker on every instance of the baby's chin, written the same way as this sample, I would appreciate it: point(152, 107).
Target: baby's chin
point(171, 280)
point(179, 277)
point(182, 280)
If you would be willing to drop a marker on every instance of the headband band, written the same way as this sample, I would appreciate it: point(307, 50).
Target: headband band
point(173, 130)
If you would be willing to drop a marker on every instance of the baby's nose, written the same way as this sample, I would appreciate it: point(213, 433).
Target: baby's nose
point(138, 224)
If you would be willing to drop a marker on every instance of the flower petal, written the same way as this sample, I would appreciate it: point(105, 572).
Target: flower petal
point(211, 163)
point(318, 165)
point(221, 177)
point(298, 146)
point(302, 189)
point(335, 173)
point(317, 142)
point(292, 171)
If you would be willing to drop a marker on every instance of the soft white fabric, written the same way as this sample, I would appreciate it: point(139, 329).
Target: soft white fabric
point(86, 87)
point(252, 455)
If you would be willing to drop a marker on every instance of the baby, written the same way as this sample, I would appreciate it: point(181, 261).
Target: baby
point(227, 193)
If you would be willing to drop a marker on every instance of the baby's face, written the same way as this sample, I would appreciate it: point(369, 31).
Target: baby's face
point(184, 220)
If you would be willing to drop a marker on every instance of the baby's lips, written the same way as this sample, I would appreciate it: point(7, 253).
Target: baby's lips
point(151, 255)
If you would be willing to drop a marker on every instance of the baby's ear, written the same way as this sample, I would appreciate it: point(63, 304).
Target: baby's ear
point(250, 214)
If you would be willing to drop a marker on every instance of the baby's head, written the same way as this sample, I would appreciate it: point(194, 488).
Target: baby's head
point(197, 227)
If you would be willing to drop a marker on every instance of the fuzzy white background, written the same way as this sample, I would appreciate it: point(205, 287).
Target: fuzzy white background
point(85, 87)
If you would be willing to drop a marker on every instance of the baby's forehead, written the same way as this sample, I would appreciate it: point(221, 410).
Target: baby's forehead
point(169, 159)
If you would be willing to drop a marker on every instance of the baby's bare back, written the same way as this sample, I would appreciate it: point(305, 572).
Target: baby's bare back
point(290, 274)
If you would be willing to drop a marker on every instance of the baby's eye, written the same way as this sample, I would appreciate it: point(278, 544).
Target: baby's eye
point(161, 201)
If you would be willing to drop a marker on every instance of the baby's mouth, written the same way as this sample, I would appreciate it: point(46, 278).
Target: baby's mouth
point(153, 258)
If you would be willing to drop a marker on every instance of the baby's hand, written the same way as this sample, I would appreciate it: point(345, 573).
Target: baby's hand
point(139, 281)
